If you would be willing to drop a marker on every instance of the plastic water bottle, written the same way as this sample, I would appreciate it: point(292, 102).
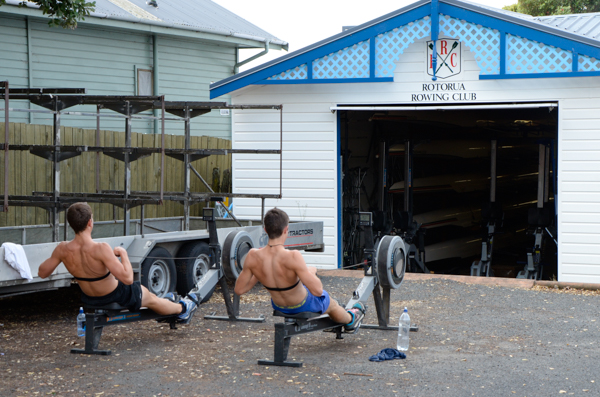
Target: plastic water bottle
point(403, 331)
point(81, 323)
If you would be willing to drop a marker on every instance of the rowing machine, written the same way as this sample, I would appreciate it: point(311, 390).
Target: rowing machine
point(207, 283)
point(539, 218)
point(388, 260)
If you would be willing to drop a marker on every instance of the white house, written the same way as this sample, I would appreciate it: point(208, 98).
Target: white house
point(443, 73)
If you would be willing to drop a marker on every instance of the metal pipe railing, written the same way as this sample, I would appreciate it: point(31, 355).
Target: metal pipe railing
point(57, 100)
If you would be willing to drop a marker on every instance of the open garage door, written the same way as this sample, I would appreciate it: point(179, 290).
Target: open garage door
point(472, 188)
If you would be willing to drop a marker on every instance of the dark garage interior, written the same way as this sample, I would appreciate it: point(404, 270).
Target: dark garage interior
point(454, 208)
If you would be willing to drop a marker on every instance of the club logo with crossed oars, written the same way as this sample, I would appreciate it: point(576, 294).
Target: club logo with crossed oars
point(443, 60)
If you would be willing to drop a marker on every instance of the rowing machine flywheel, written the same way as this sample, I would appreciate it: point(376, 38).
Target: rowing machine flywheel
point(390, 258)
point(235, 248)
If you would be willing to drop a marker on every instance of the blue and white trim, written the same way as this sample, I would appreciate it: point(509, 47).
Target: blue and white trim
point(504, 47)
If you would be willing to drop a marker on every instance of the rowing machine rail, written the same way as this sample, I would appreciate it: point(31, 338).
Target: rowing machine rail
point(114, 314)
point(298, 324)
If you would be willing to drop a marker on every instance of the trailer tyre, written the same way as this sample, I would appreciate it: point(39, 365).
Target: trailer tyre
point(193, 262)
point(158, 272)
point(390, 257)
point(235, 248)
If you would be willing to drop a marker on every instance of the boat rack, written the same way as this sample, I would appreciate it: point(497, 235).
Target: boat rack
point(55, 101)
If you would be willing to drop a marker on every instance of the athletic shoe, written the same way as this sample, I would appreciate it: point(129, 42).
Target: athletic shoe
point(172, 296)
point(358, 313)
point(190, 308)
point(194, 298)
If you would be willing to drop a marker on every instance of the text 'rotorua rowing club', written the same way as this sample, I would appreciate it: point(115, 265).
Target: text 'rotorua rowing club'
point(441, 92)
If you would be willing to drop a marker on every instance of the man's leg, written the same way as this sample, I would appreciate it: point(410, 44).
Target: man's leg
point(159, 305)
point(338, 313)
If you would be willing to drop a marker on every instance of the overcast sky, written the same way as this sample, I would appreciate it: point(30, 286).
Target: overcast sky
point(305, 22)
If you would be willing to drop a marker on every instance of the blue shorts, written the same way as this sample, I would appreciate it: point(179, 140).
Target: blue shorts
point(315, 304)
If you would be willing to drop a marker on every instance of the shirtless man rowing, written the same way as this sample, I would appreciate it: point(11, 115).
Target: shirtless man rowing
point(104, 279)
point(294, 286)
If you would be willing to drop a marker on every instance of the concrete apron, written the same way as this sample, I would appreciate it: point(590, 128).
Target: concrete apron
point(495, 281)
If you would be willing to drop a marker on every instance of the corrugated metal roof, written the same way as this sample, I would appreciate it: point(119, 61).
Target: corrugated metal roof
point(587, 25)
point(197, 15)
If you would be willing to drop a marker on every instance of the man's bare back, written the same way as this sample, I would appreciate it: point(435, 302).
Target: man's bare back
point(91, 260)
point(277, 268)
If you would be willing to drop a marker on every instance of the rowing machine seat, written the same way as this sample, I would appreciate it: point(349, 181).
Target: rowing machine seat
point(109, 306)
point(303, 315)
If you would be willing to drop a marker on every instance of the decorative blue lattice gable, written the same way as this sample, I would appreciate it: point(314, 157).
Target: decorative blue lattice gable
point(483, 42)
point(391, 44)
point(504, 45)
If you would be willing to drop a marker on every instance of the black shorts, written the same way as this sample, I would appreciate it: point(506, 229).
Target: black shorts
point(129, 296)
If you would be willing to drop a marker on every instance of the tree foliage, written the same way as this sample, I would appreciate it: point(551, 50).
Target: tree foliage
point(554, 7)
point(63, 13)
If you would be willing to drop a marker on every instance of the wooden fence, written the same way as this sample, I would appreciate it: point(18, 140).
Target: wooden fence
point(29, 173)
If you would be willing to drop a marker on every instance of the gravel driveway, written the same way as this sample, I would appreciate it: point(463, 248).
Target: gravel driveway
point(473, 340)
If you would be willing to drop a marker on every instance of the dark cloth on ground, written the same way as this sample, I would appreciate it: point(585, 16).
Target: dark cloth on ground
point(129, 296)
point(387, 354)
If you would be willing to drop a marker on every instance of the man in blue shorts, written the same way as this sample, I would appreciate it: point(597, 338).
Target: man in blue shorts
point(294, 286)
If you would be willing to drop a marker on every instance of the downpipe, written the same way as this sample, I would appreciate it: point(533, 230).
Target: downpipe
point(236, 67)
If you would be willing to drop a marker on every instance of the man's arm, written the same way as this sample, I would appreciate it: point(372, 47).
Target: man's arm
point(306, 274)
point(122, 270)
point(246, 280)
point(48, 266)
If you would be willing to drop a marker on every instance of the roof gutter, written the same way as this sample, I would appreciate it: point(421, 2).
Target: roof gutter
point(236, 67)
point(132, 19)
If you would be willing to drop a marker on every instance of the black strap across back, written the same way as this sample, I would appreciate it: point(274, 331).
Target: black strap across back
point(92, 279)
point(282, 289)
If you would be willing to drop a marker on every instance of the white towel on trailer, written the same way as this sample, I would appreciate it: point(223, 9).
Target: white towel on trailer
point(14, 254)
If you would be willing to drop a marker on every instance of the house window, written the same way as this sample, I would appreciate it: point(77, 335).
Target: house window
point(145, 82)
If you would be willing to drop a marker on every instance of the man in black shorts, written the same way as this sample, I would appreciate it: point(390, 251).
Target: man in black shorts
point(104, 279)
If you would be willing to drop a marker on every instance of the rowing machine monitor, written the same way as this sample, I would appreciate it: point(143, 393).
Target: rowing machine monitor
point(208, 214)
point(365, 219)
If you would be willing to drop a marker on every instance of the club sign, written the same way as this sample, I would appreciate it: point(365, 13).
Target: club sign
point(448, 58)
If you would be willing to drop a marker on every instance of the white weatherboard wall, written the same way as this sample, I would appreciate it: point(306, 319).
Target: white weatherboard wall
point(310, 148)
point(309, 168)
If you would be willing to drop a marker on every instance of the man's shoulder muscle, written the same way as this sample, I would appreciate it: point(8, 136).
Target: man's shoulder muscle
point(252, 258)
point(59, 250)
point(294, 260)
point(101, 251)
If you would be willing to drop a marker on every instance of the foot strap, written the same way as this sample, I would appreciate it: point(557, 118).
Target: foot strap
point(194, 298)
point(353, 318)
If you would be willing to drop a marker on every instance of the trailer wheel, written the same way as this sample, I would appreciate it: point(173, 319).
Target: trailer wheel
point(235, 248)
point(391, 261)
point(193, 262)
point(158, 272)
